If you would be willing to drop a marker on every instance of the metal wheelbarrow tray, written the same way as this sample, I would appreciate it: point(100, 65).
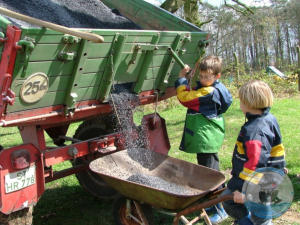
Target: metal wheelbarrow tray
point(135, 173)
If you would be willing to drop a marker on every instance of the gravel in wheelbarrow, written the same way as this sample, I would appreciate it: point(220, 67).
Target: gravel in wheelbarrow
point(156, 179)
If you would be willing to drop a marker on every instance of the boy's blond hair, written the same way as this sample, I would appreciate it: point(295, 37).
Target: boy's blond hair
point(211, 64)
point(256, 94)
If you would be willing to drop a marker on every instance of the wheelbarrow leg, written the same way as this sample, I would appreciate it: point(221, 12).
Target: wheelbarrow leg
point(205, 217)
point(201, 207)
point(202, 215)
point(140, 213)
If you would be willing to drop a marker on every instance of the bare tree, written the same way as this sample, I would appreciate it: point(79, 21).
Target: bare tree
point(191, 9)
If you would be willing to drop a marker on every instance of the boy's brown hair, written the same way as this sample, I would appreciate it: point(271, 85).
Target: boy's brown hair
point(211, 64)
point(256, 94)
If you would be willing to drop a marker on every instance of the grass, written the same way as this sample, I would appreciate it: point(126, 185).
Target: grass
point(66, 203)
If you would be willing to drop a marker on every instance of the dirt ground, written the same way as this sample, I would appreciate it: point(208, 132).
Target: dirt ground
point(290, 217)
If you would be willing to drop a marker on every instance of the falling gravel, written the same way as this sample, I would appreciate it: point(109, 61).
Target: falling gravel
point(124, 103)
point(69, 13)
point(137, 161)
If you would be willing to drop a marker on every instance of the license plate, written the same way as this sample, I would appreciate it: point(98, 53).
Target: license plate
point(20, 179)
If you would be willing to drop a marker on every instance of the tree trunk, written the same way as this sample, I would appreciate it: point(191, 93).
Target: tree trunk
point(236, 67)
point(298, 52)
point(288, 44)
point(279, 44)
point(172, 5)
point(256, 51)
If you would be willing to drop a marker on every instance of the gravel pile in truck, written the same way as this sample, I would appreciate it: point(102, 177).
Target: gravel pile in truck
point(69, 13)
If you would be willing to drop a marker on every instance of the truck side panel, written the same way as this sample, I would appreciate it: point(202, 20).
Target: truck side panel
point(48, 45)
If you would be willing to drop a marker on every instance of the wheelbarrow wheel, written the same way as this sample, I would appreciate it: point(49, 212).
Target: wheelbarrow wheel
point(21, 217)
point(120, 215)
point(89, 180)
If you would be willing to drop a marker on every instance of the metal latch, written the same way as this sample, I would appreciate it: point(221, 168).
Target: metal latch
point(3, 38)
point(26, 46)
point(69, 39)
point(66, 56)
point(8, 96)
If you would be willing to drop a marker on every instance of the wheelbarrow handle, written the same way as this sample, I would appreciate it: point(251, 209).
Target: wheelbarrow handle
point(85, 35)
point(200, 206)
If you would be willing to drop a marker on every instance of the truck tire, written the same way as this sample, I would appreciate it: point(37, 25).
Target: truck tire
point(119, 212)
point(89, 180)
point(21, 217)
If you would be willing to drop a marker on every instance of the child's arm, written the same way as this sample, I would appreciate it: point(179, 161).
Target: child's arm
point(191, 98)
point(254, 153)
point(184, 71)
point(238, 197)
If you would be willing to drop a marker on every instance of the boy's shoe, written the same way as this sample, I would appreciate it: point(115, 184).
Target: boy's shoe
point(219, 216)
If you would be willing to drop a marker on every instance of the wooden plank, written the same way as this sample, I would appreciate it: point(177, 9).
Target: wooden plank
point(90, 80)
point(148, 85)
point(47, 52)
point(51, 99)
point(51, 68)
point(55, 84)
point(98, 50)
point(95, 65)
point(103, 32)
point(130, 73)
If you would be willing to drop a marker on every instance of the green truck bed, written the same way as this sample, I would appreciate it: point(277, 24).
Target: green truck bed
point(76, 70)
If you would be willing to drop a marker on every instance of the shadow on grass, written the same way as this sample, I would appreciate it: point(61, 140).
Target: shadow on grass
point(71, 205)
point(8, 134)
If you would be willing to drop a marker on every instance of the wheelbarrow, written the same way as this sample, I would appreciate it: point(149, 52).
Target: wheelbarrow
point(150, 178)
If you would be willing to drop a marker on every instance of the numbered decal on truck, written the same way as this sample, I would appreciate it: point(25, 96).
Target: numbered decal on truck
point(34, 87)
point(20, 179)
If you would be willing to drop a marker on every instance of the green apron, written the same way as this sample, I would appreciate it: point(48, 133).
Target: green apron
point(202, 135)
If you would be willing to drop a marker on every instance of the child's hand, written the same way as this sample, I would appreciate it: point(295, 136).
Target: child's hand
point(286, 170)
point(238, 197)
point(184, 71)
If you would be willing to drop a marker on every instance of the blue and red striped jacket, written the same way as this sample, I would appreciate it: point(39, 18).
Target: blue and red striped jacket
point(258, 145)
point(209, 101)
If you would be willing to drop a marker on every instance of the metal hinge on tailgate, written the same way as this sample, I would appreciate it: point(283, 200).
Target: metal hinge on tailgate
point(26, 46)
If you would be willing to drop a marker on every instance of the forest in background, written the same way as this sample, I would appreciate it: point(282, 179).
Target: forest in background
point(261, 37)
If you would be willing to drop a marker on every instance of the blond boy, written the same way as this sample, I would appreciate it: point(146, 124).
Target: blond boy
point(258, 145)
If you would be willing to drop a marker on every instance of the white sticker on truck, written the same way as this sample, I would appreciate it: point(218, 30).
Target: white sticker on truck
point(21, 179)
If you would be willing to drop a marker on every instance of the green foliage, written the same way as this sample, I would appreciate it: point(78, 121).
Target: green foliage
point(280, 87)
